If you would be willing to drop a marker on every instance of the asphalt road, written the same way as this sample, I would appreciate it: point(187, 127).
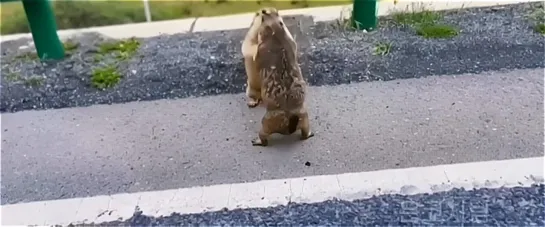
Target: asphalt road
point(519, 206)
point(167, 144)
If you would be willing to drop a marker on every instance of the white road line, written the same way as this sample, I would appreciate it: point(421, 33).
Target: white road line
point(348, 186)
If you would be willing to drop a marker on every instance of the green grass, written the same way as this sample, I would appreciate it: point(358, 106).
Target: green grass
point(70, 47)
point(88, 13)
point(13, 77)
point(103, 78)
point(34, 81)
point(28, 56)
point(540, 28)
point(436, 31)
point(98, 57)
point(123, 49)
point(415, 18)
point(107, 77)
point(538, 18)
point(426, 23)
point(382, 48)
point(538, 15)
point(344, 22)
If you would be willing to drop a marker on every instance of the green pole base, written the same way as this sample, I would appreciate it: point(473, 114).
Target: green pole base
point(43, 27)
point(364, 15)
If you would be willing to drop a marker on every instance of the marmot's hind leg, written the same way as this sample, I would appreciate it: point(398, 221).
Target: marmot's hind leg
point(304, 125)
point(264, 132)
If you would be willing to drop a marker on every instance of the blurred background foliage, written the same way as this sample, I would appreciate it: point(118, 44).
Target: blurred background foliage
point(90, 13)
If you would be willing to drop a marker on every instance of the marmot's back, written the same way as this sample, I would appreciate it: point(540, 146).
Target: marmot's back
point(283, 86)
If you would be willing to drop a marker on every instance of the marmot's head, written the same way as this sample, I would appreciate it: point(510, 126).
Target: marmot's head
point(271, 24)
point(266, 10)
point(258, 17)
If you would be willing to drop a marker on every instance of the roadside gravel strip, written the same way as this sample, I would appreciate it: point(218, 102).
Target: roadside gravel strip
point(518, 206)
point(508, 191)
point(209, 63)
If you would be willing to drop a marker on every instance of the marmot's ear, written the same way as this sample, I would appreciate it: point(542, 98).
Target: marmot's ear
point(264, 11)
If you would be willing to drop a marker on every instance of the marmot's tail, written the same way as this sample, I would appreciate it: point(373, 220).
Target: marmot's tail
point(293, 122)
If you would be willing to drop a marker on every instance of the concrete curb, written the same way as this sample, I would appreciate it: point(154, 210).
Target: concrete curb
point(240, 21)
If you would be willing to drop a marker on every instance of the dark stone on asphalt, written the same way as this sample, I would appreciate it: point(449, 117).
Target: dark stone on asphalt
point(210, 63)
point(518, 206)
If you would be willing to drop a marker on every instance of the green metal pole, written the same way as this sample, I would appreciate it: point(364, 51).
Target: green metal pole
point(44, 29)
point(364, 14)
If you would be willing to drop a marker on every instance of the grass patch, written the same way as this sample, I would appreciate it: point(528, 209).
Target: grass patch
point(382, 48)
point(28, 56)
point(34, 81)
point(69, 46)
point(345, 22)
point(415, 18)
point(12, 77)
point(540, 28)
point(538, 15)
point(123, 49)
point(538, 18)
point(426, 23)
point(436, 31)
point(98, 57)
point(107, 77)
point(103, 78)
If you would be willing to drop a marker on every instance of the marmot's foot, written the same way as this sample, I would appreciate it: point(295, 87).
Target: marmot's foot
point(259, 142)
point(304, 137)
point(252, 102)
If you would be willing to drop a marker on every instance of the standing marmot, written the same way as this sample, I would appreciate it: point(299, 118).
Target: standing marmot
point(282, 86)
point(249, 49)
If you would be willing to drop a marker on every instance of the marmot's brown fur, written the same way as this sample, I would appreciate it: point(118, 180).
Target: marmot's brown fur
point(249, 50)
point(283, 88)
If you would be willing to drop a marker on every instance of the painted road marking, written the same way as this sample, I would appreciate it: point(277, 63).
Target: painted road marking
point(348, 186)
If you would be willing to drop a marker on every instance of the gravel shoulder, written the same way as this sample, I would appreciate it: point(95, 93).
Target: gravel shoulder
point(518, 206)
point(209, 63)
